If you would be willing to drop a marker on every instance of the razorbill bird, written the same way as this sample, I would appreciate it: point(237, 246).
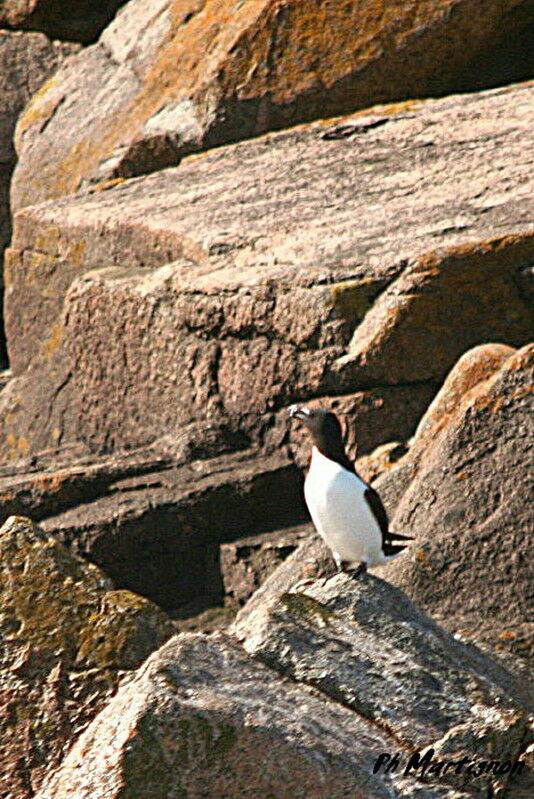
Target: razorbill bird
point(346, 511)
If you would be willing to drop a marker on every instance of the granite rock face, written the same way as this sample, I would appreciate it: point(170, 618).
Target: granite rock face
point(170, 77)
point(198, 712)
point(465, 491)
point(364, 644)
point(67, 637)
point(79, 21)
point(126, 323)
point(247, 562)
point(440, 307)
point(153, 523)
point(26, 61)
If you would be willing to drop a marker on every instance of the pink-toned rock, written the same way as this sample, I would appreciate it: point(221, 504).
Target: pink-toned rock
point(197, 715)
point(172, 77)
point(154, 524)
point(162, 302)
point(26, 61)
point(474, 367)
point(440, 306)
point(246, 563)
point(464, 491)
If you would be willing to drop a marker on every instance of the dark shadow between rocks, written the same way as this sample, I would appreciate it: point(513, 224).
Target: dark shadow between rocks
point(70, 20)
point(510, 60)
point(169, 551)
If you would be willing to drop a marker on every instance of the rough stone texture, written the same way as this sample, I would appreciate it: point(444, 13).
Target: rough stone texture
point(474, 367)
point(155, 525)
point(246, 563)
point(26, 61)
point(310, 560)
point(465, 491)
point(364, 644)
point(194, 720)
point(171, 298)
point(66, 639)
point(74, 20)
point(428, 315)
point(170, 77)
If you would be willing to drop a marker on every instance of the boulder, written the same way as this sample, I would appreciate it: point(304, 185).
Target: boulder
point(155, 525)
point(202, 718)
point(247, 562)
point(438, 308)
point(368, 673)
point(365, 645)
point(464, 491)
point(126, 323)
point(26, 61)
point(67, 638)
point(170, 77)
point(79, 21)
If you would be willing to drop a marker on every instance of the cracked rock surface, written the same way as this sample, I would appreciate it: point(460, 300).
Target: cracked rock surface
point(171, 77)
point(67, 637)
point(172, 299)
point(331, 685)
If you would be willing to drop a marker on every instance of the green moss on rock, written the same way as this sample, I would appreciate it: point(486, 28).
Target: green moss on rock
point(66, 638)
point(306, 608)
point(353, 298)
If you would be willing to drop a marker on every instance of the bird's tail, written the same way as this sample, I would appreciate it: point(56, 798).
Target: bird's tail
point(392, 550)
point(399, 537)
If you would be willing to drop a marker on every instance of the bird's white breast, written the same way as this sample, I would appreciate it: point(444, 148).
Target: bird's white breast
point(339, 510)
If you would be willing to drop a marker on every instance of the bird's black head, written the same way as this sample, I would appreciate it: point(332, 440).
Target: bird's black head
point(325, 430)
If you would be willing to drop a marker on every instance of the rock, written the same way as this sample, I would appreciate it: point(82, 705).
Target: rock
point(246, 563)
point(243, 70)
point(196, 716)
point(5, 377)
point(464, 491)
point(371, 466)
point(125, 324)
point(475, 366)
point(312, 559)
point(154, 525)
point(412, 320)
point(364, 644)
point(60, 19)
point(26, 61)
point(66, 639)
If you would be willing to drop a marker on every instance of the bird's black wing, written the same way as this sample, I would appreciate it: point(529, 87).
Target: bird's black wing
point(379, 512)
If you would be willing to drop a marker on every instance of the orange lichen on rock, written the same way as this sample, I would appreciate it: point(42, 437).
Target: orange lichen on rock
point(211, 73)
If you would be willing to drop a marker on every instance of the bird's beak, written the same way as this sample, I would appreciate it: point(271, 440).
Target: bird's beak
point(296, 412)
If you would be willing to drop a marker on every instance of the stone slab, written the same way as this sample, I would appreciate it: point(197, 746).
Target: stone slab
point(125, 108)
point(231, 305)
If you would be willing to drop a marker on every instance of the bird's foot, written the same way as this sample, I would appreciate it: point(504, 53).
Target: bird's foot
point(361, 569)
